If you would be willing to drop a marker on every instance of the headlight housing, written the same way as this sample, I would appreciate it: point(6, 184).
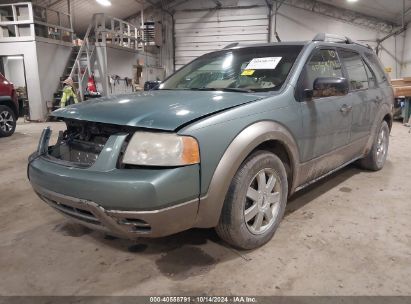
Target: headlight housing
point(161, 149)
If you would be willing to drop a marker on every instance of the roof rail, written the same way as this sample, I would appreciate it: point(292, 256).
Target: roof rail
point(231, 45)
point(339, 39)
point(332, 38)
point(364, 45)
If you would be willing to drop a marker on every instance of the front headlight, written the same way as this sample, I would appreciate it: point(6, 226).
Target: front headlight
point(161, 149)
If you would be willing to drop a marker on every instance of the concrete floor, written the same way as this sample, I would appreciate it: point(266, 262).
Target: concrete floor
point(349, 234)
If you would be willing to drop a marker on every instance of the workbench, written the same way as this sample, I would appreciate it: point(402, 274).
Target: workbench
point(402, 89)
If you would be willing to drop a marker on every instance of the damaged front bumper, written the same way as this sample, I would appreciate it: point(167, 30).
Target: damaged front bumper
point(129, 203)
point(124, 224)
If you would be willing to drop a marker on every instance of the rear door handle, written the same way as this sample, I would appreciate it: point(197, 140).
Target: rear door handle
point(345, 109)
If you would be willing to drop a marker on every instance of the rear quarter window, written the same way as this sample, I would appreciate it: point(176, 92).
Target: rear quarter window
point(376, 66)
point(371, 78)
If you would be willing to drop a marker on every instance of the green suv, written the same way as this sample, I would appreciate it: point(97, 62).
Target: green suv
point(223, 142)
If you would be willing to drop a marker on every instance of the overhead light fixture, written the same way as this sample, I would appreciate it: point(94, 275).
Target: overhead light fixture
point(104, 2)
point(14, 57)
point(352, 1)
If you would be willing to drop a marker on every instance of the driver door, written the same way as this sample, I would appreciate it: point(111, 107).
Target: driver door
point(326, 120)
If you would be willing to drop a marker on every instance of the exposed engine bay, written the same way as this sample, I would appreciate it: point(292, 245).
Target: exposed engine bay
point(81, 143)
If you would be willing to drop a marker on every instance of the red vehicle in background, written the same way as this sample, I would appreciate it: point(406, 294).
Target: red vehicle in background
point(9, 107)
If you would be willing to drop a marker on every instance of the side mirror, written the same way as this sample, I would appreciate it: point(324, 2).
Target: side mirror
point(330, 86)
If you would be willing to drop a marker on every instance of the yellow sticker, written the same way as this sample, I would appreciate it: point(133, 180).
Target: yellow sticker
point(247, 72)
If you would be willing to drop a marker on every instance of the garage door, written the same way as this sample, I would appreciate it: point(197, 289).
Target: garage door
point(200, 32)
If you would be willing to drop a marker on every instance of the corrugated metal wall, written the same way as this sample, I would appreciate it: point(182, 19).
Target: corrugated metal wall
point(199, 32)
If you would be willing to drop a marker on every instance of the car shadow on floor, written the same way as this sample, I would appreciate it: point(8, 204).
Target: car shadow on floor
point(178, 257)
point(198, 237)
point(196, 251)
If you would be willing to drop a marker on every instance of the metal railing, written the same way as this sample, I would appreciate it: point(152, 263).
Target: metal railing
point(103, 30)
point(80, 70)
point(24, 20)
point(113, 31)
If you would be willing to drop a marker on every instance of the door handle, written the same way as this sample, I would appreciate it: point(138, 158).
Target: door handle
point(345, 109)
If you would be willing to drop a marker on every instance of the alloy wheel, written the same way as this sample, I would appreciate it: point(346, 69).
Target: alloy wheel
point(382, 145)
point(262, 201)
point(6, 121)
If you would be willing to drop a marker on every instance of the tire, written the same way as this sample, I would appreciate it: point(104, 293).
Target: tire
point(375, 159)
point(7, 121)
point(234, 227)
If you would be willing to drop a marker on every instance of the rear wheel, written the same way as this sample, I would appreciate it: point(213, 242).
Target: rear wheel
point(7, 121)
point(377, 156)
point(255, 202)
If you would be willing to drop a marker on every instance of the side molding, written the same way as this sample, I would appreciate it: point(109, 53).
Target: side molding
point(211, 205)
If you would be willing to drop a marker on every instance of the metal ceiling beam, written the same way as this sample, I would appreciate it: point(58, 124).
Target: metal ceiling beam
point(393, 33)
point(405, 13)
point(217, 3)
point(159, 6)
point(222, 8)
point(175, 3)
point(54, 3)
point(342, 14)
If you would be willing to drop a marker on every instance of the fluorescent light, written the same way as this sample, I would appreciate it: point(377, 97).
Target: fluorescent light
point(104, 2)
point(14, 57)
point(352, 1)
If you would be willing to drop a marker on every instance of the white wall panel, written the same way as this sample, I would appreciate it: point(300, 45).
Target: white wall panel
point(298, 24)
point(28, 49)
point(258, 29)
point(200, 32)
point(52, 59)
point(14, 71)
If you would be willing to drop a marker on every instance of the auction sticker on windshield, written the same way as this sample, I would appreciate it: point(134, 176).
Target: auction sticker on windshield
point(264, 63)
point(247, 73)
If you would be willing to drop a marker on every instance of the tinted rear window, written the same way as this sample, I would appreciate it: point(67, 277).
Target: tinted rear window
point(376, 66)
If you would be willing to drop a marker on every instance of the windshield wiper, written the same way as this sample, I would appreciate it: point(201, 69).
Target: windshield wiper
point(237, 90)
point(240, 90)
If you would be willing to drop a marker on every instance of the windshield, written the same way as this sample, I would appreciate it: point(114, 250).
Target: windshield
point(250, 69)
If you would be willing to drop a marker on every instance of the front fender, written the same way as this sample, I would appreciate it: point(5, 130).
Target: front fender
point(244, 143)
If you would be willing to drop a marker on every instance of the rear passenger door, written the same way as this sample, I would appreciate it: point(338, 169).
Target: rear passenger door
point(326, 120)
point(382, 89)
point(363, 94)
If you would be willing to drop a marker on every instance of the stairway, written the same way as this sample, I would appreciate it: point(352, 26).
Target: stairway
point(67, 71)
point(103, 30)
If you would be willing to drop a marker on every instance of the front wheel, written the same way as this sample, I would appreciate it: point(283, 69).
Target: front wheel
point(377, 156)
point(255, 202)
point(7, 121)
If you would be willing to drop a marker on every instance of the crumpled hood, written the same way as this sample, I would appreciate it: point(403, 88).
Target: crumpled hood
point(160, 109)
